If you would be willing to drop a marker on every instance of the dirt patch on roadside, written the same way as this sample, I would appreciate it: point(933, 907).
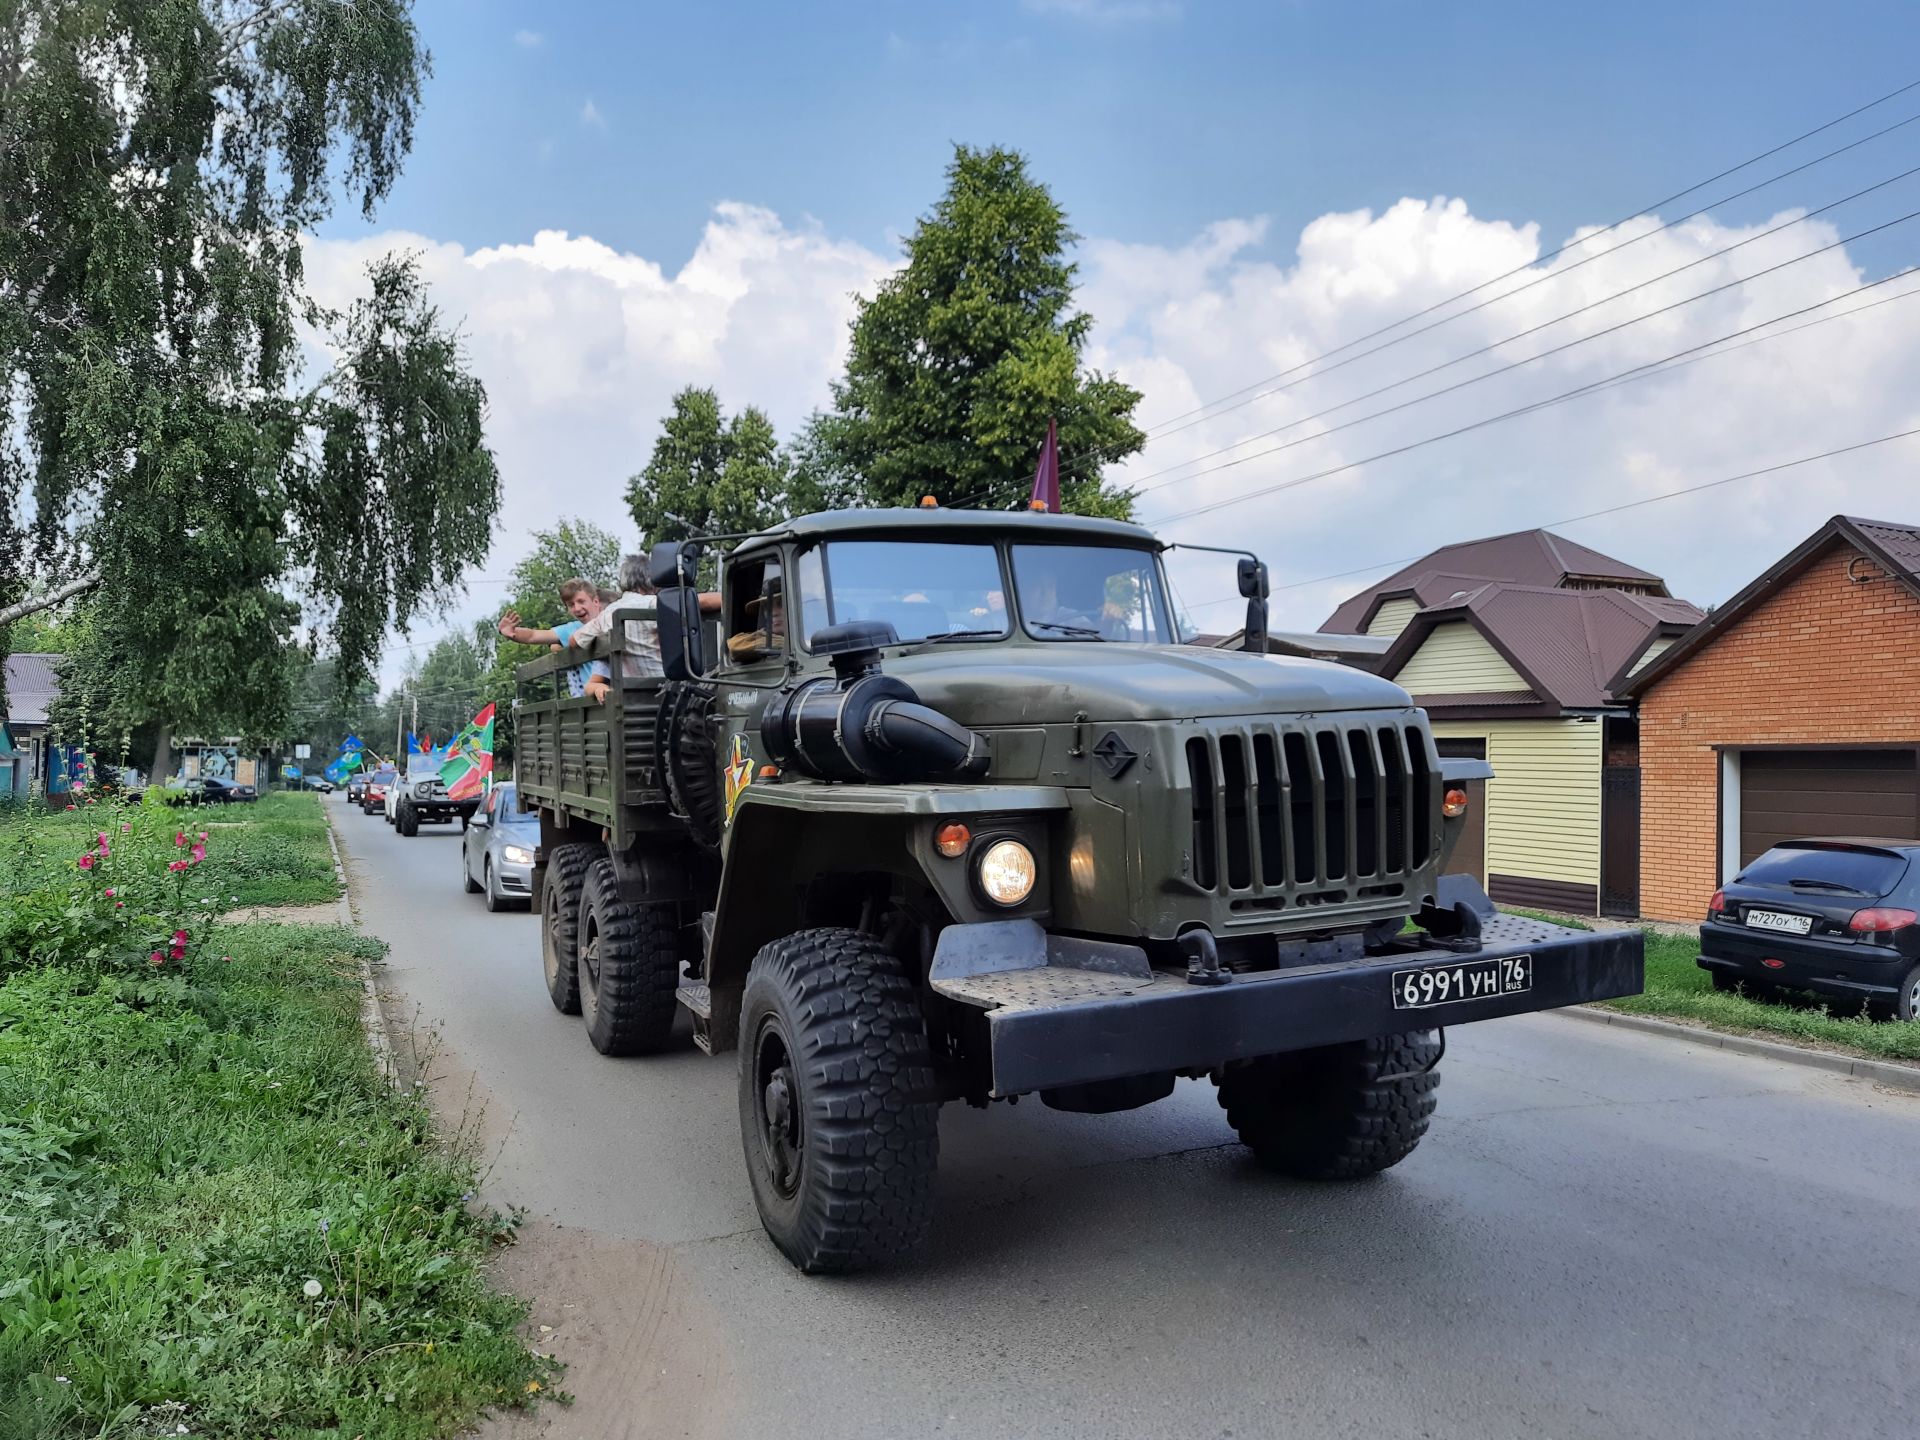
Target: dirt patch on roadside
point(325, 913)
point(645, 1358)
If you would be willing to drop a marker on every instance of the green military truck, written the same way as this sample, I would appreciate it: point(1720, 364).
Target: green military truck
point(944, 812)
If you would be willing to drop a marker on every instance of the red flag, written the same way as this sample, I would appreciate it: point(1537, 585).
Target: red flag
point(1046, 479)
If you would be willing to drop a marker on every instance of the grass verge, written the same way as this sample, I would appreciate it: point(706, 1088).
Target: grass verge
point(1679, 989)
point(219, 1218)
point(272, 852)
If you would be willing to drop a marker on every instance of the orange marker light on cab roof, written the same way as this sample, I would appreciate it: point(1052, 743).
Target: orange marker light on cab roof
point(927, 502)
point(1454, 803)
point(951, 839)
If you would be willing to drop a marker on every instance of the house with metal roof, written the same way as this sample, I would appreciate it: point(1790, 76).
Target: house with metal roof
point(1792, 711)
point(32, 687)
point(1518, 647)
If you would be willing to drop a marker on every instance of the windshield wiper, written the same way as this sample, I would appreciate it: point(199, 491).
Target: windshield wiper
point(1079, 632)
point(1802, 883)
point(961, 635)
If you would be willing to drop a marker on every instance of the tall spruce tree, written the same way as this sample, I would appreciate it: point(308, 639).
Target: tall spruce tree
point(963, 356)
point(161, 165)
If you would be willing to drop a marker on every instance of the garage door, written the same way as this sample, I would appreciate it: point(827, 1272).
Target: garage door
point(1470, 853)
point(1787, 794)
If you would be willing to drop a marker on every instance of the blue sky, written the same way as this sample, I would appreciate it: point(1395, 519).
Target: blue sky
point(1149, 119)
point(617, 200)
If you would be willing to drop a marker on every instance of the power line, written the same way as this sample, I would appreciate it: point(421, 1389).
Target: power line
point(1162, 428)
point(1634, 372)
point(1625, 505)
point(1166, 428)
point(1542, 355)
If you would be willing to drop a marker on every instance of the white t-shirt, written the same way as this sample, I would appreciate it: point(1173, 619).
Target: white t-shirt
point(642, 642)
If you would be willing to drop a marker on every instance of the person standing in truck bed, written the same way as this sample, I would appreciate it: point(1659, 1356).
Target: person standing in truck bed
point(583, 601)
point(640, 654)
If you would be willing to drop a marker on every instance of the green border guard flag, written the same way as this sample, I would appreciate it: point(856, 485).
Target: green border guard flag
point(469, 767)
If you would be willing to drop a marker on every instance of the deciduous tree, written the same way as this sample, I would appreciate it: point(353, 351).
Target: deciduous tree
point(966, 353)
point(161, 165)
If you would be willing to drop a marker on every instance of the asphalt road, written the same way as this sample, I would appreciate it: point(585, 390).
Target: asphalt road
point(1604, 1234)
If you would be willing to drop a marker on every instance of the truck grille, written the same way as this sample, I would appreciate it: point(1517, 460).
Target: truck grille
point(1310, 815)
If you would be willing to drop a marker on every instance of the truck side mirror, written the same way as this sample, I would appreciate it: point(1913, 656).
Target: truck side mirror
point(674, 567)
point(1252, 576)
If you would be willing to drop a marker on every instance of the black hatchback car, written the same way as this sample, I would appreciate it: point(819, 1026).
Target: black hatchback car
point(1836, 916)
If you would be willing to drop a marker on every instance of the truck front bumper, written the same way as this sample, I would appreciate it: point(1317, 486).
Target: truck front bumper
point(1064, 1011)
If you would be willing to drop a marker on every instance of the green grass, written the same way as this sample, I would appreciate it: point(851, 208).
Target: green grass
point(218, 1217)
point(272, 852)
point(1680, 989)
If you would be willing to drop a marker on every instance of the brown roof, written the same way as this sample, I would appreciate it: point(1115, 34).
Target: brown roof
point(1894, 548)
point(1569, 645)
point(32, 687)
point(1526, 557)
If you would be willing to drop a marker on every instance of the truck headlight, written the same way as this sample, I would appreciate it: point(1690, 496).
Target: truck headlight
point(1007, 872)
point(516, 854)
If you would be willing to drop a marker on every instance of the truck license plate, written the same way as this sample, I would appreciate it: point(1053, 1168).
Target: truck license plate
point(1469, 980)
point(1774, 920)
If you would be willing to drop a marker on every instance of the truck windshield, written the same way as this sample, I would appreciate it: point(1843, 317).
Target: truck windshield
point(1090, 592)
point(922, 590)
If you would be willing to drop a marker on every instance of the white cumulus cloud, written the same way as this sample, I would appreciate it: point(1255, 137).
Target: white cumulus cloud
point(591, 117)
point(581, 346)
point(529, 39)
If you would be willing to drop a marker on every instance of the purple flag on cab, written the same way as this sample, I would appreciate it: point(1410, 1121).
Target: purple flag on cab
point(1046, 479)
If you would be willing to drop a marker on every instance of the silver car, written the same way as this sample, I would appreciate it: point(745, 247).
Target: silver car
point(496, 853)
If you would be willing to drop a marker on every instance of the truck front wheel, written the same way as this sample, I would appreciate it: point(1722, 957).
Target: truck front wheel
point(407, 819)
point(566, 879)
point(1342, 1112)
point(629, 967)
point(839, 1115)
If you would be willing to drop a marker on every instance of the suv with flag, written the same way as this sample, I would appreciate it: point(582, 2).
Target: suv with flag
point(447, 785)
point(951, 814)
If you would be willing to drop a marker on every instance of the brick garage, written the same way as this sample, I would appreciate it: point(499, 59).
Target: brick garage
point(1794, 708)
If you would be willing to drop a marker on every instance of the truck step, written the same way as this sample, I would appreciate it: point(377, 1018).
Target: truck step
point(711, 1037)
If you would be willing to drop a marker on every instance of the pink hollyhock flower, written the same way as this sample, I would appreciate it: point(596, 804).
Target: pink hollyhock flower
point(176, 865)
point(125, 827)
point(86, 862)
point(156, 958)
point(103, 839)
point(203, 837)
point(199, 853)
point(179, 837)
point(179, 952)
point(119, 904)
point(109, 892)
point(179, 937)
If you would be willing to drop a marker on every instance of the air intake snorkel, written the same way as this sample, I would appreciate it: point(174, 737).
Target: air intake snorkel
point(863, 725)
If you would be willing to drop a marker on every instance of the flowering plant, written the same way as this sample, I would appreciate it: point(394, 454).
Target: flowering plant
point(121, 904)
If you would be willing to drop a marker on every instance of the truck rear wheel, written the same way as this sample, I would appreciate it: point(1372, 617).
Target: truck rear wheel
point(838, 1112)
point(560, 923)
point(629, 967)
point(1342, 1112)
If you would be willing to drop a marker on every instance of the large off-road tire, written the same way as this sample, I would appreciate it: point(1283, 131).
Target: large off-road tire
point(839, 1115)
point(1342, 1112)
point(629, 967)
point(406, 818)
point(560, 923)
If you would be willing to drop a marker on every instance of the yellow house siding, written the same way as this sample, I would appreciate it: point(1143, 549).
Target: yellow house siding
point(1392, 617)
point(1455, 659)
point(1543, 803)
point(1654, 652)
